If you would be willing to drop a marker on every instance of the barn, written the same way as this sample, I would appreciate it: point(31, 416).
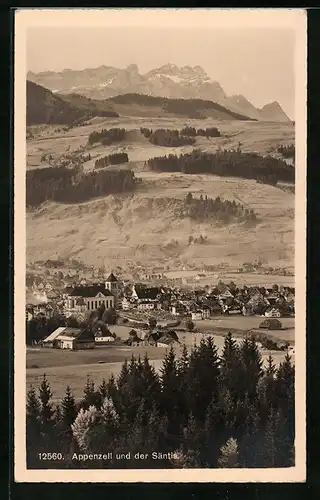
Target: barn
point(70, 338)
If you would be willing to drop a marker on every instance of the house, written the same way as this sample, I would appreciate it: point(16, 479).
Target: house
point(89, 298)
point(102, 340)
point(148, 305)
point(247, 310)
point(178, 309)
point(225, 294)
point(234, 310)
point(146, 296)
point(144, 293)
point(70, 338)
point(196, 315)
point(272, 313)
point(271, 324)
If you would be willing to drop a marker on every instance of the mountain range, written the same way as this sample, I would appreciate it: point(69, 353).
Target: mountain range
point(169, 81)
point(43, 106)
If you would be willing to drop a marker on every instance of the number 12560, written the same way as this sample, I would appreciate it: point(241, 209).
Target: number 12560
point(50, 456)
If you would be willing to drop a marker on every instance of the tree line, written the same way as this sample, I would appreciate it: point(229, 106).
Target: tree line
point(167, 137)
point(72, 185)
point(204, 208)
point(107, 137)
point(207, 132)
point(201, 410)
point(232, 163)
point(113, 159)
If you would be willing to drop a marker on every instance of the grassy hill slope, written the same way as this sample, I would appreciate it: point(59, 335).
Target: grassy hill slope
point(143, 226)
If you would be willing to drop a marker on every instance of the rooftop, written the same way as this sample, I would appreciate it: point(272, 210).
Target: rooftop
point(111, 278)
point(90, 291)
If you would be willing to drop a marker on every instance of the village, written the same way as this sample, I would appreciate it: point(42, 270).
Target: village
point(88, 314)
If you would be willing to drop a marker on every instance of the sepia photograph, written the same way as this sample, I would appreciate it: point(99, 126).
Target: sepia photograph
point(160, 245)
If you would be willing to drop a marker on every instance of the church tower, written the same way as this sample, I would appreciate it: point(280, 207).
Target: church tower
point(113, 285)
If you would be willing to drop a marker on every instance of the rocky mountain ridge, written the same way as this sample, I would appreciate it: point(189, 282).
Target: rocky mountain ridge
point(169, 81)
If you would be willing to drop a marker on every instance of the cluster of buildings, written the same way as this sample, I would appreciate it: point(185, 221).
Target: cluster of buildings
point(197, 304)
point(145, 302)
point(202, 303)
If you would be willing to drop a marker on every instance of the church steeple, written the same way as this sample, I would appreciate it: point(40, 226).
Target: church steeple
point(112, 284)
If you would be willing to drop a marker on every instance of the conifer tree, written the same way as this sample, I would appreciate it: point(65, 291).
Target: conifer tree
point(229, 367)
point(151, 387)
point(229, 457)
point(103, 387)
point(170, 387)
point(251, 366)
point(68, 411)
point(270, 441)
point(91, 398)
point(33, 424)
point(192, 441)
point(46, 409)
point(83, 425)
point(203, 377)
point(251, 441)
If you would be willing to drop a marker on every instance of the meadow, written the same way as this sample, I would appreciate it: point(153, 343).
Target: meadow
point(65, 367)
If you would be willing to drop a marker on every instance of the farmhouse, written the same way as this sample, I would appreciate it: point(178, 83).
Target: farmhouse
point(272, 313)
point(70, 338)
point(89, 298)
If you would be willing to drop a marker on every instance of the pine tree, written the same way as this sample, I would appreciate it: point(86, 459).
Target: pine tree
point(251, 366)
point(170, 388)
point(90, 398)
point(271, 367)
point(33, 424)
point(83, 425)
point(151, 387)
point(251, 440)
point(270, 441)
point(203, 377)
point(110, 423)
point(230, 366)
point(68, 411)
point(192, 441)
point(46, 409)
point(229, 457)
point(103, 387)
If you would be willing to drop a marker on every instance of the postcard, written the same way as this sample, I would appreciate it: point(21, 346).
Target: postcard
point(160, 245)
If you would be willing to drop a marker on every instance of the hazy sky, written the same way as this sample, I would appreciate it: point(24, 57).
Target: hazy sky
point(258, 63)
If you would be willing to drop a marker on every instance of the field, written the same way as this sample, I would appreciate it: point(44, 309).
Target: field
point(72, 367)
point(245, 323)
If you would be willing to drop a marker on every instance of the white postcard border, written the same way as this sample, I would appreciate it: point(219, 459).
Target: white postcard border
point(277, 18)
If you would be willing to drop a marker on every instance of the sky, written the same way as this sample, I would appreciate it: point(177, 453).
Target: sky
point(257, 62)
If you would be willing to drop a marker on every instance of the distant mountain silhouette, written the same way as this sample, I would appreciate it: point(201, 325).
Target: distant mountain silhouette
point(169, 81)
point(273, 112)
